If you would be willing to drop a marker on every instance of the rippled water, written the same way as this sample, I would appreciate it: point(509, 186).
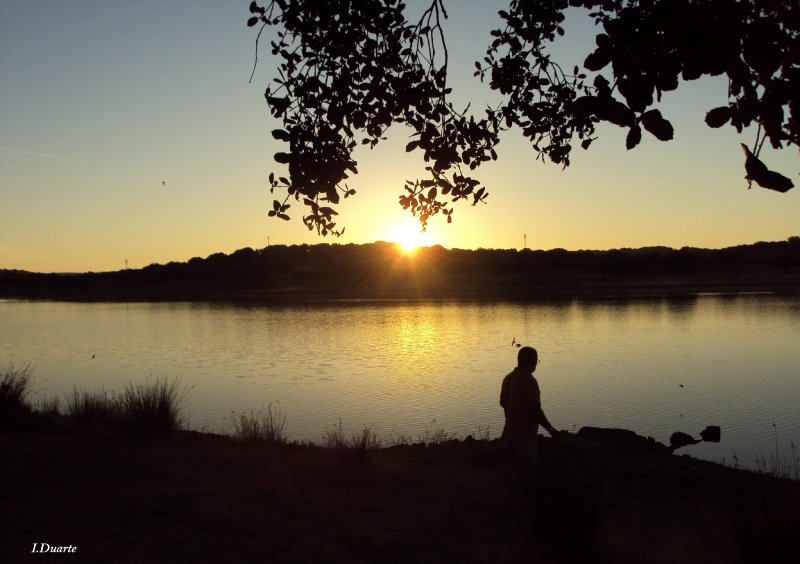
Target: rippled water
point(653, 366)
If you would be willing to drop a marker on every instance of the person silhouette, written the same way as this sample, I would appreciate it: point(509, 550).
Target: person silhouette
point(521, 402)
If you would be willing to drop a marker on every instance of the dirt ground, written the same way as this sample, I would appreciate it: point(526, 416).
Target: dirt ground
point(604, 496)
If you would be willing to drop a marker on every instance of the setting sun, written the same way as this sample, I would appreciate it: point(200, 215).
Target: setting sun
point(409, 236)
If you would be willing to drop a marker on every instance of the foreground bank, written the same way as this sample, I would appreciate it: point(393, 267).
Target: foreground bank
point(606, 495)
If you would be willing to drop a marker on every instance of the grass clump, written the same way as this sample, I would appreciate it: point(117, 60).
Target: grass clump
point(399, 440)
point(335, 438)
point(777, 465)
point(89, 409)
point(436, 435)
point(365, 440)
point(261, 427)
point(354, 452)
point(483, 433)
point(15, 383)
point(49, 407)
point(152, 407)
point(149, 408)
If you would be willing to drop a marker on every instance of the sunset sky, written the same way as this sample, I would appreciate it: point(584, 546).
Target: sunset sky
point(102, 101)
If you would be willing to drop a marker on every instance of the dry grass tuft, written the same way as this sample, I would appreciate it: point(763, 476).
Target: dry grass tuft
point(264, 427)
point(15, 384)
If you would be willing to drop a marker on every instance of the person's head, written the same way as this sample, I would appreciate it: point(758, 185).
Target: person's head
point(527, 357)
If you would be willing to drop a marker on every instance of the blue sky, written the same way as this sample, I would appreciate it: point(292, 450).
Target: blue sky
point(102, 101)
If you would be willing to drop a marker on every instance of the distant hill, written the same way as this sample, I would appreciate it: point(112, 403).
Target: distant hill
point(381, 271)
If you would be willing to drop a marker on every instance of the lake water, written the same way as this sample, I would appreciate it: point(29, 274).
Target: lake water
point(653, 366)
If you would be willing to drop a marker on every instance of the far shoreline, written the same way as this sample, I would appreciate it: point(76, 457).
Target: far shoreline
point(311, 274)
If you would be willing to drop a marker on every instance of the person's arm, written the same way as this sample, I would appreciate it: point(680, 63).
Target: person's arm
point(538, 414)
point(542, 419)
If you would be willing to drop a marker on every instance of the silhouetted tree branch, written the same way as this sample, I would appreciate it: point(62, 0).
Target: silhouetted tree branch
point(349, 70)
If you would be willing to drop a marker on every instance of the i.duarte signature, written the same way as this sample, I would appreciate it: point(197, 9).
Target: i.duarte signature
point(44, 547)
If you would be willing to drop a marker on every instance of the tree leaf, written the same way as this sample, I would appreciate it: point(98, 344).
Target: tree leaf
point(599, 58)
point(718, 116)
point(774, 181)
point(616, 112)
point(252, 21)
point(633, 138)
point(596, 61)
point(654, 122)
point(332, 195)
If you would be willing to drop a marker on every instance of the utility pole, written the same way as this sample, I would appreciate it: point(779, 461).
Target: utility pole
point(126, 264)
point(525, 239)
point(267, 240)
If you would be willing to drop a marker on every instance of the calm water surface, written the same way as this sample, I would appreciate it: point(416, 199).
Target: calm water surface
point(400, 366)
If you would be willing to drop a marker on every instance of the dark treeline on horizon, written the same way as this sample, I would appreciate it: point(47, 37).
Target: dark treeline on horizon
point(380, 270)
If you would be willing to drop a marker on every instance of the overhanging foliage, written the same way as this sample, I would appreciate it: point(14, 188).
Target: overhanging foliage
point(350, 69)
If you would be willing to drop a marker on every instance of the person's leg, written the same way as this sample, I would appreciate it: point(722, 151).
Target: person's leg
point(524, 470)
point(529, 469)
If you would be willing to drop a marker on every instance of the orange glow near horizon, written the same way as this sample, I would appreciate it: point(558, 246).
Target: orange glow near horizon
point(409, 237)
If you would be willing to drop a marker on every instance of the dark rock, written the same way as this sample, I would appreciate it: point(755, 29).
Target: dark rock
point(711, 434)
point(678, 440)
point(621, 439)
